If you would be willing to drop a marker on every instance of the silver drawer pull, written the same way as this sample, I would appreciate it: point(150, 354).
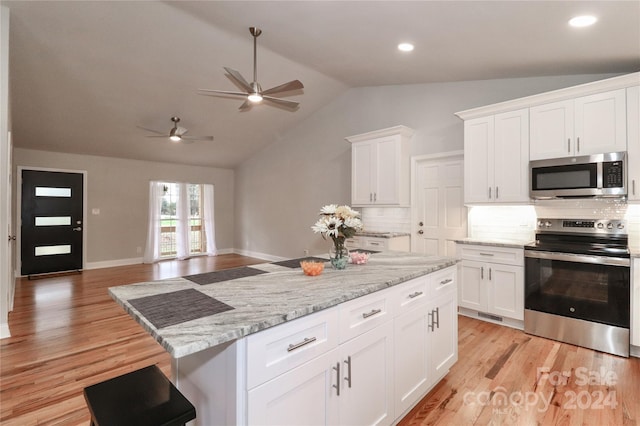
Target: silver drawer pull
point(416, 294)
point(374, 243)
point(372, 313)
point(486, 254)
point(306, 341)
point(447, 281)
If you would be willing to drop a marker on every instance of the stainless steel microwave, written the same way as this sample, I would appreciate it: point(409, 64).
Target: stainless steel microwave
point(601, 175)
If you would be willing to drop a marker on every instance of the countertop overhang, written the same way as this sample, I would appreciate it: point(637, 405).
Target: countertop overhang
point(266, 300)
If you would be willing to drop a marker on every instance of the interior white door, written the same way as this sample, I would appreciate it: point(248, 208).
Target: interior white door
point(439, 215)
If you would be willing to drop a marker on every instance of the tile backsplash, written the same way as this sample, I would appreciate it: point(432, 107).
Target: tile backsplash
point(516, 223)
point(387, 219)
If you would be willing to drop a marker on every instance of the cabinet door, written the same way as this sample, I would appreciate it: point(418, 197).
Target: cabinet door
point(411, 372)
point(472, 292)
point(635, 303)
point(302, 396)
point(387, 174)
point(367, 371)
point(478, 160)
point(505, 285)
point(511, 151)
point(443, 347)
point(601, 123)
point(633, 146)
point(363, 167)
point(551, 133)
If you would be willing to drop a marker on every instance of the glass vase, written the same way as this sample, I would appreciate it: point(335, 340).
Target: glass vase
point(338, 255)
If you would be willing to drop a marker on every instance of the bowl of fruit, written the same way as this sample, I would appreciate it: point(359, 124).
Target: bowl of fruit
point(312, 268)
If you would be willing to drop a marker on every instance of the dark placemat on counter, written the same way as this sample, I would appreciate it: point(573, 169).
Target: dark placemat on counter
point(224, 275)
point(295, 263)
point(163, 310)
point(364, 251)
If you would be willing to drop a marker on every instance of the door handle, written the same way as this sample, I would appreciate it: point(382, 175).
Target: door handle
point(420, 223)
point(421, 232)
point(12, 237)
point(79, 228)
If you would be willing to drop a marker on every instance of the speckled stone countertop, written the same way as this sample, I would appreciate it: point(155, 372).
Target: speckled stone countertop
point(495, 243)
point(272, 298)
point(381, 234)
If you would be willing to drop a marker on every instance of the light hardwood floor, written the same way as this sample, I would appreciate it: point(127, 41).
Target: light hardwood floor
point(67, 333)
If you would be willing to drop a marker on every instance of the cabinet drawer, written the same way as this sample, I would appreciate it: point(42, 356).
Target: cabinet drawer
point(411, 294)
point(364, 313)
point(273, 351)
point(373, 243)
point(443, 282)
point(353, 243)
point(481, 253)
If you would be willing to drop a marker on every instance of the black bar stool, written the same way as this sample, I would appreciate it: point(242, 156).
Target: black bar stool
point(143, 397)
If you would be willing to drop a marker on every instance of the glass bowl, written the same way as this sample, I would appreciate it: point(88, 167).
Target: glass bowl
point(312, 268)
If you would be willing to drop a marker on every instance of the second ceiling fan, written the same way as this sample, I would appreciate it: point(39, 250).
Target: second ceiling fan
point(253, 91)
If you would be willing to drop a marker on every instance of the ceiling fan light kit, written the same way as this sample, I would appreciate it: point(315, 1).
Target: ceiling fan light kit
point(253, 92)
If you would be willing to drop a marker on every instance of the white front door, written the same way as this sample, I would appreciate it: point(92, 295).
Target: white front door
point(439, 216)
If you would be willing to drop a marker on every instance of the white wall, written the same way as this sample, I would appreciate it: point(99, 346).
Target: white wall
point(6, 277)
point(280, 189)
point(120, 189)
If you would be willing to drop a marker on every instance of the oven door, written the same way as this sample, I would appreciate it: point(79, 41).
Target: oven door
point(590, 288)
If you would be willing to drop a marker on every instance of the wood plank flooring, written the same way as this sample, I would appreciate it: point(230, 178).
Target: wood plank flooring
point(67, 333)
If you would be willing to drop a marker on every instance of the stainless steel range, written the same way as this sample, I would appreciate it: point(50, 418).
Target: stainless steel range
point(577, 283)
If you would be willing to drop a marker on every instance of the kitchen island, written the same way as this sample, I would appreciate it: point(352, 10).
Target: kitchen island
point(242, 337)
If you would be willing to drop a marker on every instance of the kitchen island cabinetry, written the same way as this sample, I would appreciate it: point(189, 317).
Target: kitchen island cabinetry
point(492, 283)
point(380, 167)
point(304, 350)
point(593, 124)
point(496, 158)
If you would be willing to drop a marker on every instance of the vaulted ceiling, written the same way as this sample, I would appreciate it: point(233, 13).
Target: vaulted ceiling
point(85, 74)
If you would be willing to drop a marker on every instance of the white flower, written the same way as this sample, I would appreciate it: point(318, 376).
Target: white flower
point(320, 227)
point(329, 209)
point(333, 224)
point(353, 222)
point(345, 212)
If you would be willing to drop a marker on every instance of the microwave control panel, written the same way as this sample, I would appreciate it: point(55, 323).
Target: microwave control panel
point(612, 174)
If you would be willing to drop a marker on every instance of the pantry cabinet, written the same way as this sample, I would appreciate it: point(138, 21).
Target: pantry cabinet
point(492, 281)
point(380, 167)
point(633, 139)
point(496, 158)
point(586, 125)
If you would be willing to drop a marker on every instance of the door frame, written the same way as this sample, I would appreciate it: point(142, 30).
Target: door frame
point(416, 160)
point(18, 221)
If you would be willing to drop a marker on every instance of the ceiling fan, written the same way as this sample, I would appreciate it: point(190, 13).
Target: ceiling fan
point(176, 134)
point(253, 91)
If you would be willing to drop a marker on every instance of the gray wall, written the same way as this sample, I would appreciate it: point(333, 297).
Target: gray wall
point(120, 189)
point(280, 189)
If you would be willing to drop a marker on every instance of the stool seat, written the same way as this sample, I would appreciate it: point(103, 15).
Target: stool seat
point(143, 397)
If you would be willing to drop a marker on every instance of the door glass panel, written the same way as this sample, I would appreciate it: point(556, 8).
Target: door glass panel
point(53, 220)
point(49, 250)
point(47, 191)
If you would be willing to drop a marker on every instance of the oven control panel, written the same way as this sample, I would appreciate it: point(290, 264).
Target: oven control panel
point(583, 226)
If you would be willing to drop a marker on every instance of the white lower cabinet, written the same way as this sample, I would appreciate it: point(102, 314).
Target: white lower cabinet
point(494, 286)
point(635, 303)
point(393, 346)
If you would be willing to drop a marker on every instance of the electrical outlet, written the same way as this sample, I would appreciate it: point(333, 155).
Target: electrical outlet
point(306, 252)
point(138, 249)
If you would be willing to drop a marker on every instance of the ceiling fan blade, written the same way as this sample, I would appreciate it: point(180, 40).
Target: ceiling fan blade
point(246, 106)
point(286, 87)
point(211, 92)
point(197, 138)
point(181, 131)
point(281, 102)
point(238, 78)
point(157, 136)
point(150, 130)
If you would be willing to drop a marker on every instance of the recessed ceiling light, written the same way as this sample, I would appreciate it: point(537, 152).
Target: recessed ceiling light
point(583, 21)
point(405, 47)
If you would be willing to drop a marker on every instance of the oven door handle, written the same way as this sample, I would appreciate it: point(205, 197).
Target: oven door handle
point(578, 258)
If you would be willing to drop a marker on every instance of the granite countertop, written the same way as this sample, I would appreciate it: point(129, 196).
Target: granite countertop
point(494, 243)
point(253, 303)
point(380, 234)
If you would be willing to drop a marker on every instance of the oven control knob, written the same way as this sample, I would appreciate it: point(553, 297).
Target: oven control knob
point(600, 225)
point(572, 309)
point(609, 225)
point(547, 224)
point(621, 226)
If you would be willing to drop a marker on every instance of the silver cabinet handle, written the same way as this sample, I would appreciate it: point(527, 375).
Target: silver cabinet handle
point(375, 196)
point(497, 196)
point(482, 272)
point(430, 323)
point(569, 145)
point(79, 228)
point(374, 243)
point(414, 295)
point(348, 378)
point(306, 341)
point(337, 385)
point(371, 313)
point(633, 186)
point(486, 254)
point(437, 315)
point(447, 281)
point(489, 192)
point(489, 274)
point(578, 143)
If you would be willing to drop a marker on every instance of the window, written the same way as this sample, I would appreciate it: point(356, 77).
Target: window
point(169, 219)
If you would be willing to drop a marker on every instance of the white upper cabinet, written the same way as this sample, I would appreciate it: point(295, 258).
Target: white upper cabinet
point(496, 158)
point(633, 143)
point(380, 167)
point(593, 124)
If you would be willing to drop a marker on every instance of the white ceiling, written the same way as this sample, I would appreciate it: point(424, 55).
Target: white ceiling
point(85, 74)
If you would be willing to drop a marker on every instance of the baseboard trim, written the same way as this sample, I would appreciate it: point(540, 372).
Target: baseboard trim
point(4, 330)
point(508, 322)
point(259, 255)
point(634, 351)
point(113, 263)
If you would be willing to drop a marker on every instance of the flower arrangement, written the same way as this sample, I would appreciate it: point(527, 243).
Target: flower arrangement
point(338, 223)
